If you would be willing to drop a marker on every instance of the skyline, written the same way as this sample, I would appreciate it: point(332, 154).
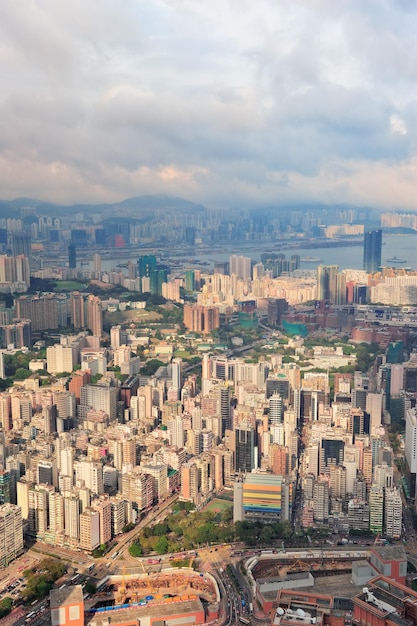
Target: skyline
point(226, 105)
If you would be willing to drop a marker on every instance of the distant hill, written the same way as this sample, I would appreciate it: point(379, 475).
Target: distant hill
point(137, 207)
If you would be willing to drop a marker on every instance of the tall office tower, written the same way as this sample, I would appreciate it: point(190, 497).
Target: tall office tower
point(97, 264)
point(2, 370)
point(275, 409)
point(327, 282)
point(376, 509)
point(276, 308)
point(244, 449)
point(11, 533)
point(393, 516)
point(22, 244)
point(372, 246)
point(189, 280)
point(72, 256)
point(321, 500)
point(225, 408)
point(2, 450)
point(146, 265)
point(115, 337)
point(95, 315)
point(45, 473)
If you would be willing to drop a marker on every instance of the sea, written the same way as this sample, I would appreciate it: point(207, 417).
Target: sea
point(404, 247)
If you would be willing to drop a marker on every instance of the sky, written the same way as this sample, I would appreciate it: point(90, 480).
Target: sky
point(223, 102)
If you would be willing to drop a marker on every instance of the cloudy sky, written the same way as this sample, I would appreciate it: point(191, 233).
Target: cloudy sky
point(224, 102)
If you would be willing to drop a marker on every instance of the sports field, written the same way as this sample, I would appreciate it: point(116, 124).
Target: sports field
point(217, 506)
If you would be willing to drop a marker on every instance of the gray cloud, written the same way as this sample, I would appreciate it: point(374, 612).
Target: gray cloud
point(224, 102)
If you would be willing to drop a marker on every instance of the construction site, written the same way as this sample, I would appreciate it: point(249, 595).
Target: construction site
point(154, 589)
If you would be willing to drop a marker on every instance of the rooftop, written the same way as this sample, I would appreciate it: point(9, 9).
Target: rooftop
point(390, 553)
point(66, 596)
point(163, 611)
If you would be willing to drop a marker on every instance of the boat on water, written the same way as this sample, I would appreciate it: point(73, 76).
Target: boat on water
point(396, 259)
point(310, 259)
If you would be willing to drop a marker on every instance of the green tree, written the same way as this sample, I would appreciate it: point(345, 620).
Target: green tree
point(150, 367)
point(90, 587)
point(161, 546)
point(6, 605)
point(21, 374)
point(135, 549)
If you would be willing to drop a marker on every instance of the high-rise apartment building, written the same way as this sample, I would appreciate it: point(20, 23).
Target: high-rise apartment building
point(41, 310)
point(372, 247)
point(240, 266)
point(376, 509)
point(101, 398)
point(201, 319)
point(72, 516)
point(321, 500)
point(94, 315)
point(60, 358)
point(89, 530)
point(393, 513)
point(11, 533)
point(56, 513)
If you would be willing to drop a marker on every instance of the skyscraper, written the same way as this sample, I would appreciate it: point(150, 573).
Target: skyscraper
point(245, 449)
point(72, 256)
point(21, 243)
point(327, 282)
point(95, 315)
point(372, 250)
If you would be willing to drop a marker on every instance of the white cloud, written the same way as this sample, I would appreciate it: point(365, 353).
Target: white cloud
point(224, 102)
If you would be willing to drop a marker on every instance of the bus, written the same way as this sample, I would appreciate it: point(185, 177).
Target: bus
point(244, 620)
